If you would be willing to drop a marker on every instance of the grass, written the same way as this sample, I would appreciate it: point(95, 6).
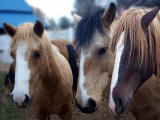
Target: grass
point(8, 111)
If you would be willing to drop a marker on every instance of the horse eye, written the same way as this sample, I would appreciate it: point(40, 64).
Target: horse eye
point(102, 51)
point(37, 54)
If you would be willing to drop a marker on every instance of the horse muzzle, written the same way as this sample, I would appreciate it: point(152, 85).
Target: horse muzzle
point(22, 102)
point(89, 108)
point(121, 106)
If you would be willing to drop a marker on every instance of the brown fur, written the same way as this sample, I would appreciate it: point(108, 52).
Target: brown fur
point(51, 76)
point(61, 44)
point(146, 102)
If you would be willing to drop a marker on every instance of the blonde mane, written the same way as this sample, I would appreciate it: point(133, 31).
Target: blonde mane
point(130, 22)
point(26, 33)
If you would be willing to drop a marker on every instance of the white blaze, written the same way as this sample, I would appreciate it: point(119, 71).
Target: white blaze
point(22, 75)
point(119, 51)
point(82, 80)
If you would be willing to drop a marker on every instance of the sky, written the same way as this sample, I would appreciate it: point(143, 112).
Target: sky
point(54, 8)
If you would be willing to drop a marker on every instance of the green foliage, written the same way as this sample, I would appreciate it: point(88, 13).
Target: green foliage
point(8, 111)
point(52, 24)
point(64, 23)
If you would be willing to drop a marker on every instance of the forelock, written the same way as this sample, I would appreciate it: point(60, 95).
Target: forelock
point(87, 27)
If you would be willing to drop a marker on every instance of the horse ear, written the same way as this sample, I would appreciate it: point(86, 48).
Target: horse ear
point(9, 29)
point(109, 15)
point(148, 18)
point(38, 28)
point(76, 18)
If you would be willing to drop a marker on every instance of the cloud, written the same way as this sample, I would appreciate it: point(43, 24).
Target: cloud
point(54, 8)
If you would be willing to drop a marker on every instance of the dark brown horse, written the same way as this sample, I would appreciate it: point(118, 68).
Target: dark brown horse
point(136, 44)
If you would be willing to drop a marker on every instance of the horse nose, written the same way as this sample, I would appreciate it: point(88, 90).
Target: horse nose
point(91, 106)
point(21, 103)
point(26, 100)
point(119, 101)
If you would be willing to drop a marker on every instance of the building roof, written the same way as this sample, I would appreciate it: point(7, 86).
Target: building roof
point(16, 12)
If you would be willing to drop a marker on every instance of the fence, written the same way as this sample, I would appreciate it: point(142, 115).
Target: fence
point(5, 40)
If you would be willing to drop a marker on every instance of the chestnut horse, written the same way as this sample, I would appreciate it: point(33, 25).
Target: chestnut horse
point(42, 74)
point(136, 44)
point(65, 48)
point(93, 81)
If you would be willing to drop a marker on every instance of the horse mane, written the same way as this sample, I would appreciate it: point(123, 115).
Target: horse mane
point(87, 27)
point(25, 32)
point(149, 44)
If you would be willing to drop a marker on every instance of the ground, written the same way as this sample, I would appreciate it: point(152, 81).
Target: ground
point(9, 111)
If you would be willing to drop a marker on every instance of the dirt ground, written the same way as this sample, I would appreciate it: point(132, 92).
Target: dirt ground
point(103, 113)
point(9, 111)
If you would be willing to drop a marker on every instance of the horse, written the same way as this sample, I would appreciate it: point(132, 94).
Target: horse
point(136, 44)
point(43, 76)
point(139, 107)
point(92, 46)
point(66, 49)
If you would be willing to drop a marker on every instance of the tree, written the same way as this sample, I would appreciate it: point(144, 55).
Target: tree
point(83, 7)
point(52, 24)
point(64, 23)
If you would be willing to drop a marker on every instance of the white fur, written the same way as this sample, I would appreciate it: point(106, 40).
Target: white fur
point(84, 95)
point(22, 75)
point(119, 51)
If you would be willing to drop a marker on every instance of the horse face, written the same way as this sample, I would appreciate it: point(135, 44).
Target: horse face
point(28, 60)
point(128, 76)
point(130, 72)
point(95, 57)
point(95, 68)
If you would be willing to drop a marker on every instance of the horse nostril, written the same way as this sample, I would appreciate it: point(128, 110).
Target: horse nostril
point(27, 100)
point(91, 104)
point(119, 104)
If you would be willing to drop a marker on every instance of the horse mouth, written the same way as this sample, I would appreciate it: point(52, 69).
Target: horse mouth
point(85, 109)
point(123, 111)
